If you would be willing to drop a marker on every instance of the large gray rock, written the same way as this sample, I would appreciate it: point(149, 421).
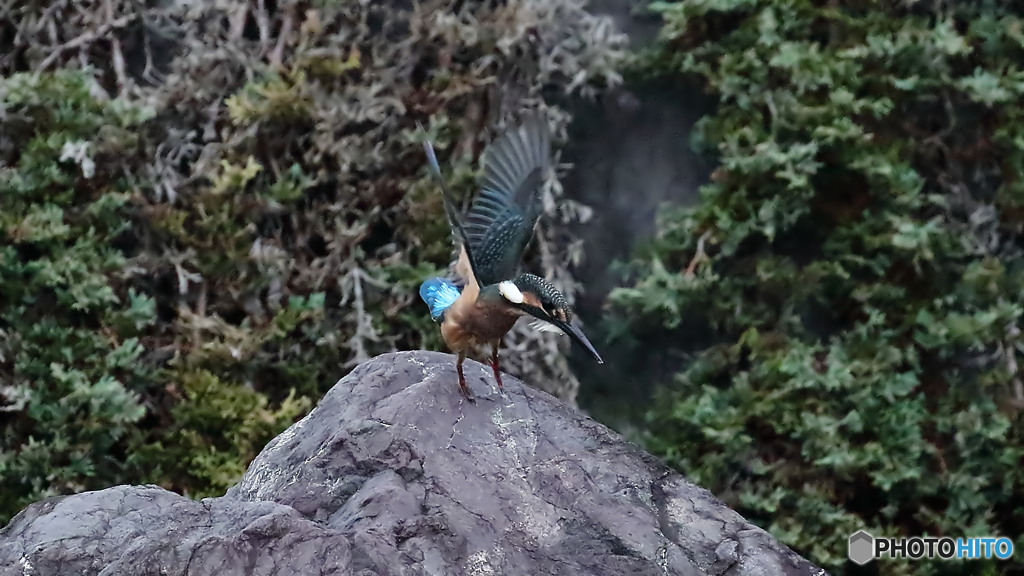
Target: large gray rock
point(395, 473)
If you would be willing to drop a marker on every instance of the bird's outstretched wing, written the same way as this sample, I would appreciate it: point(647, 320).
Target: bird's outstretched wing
point(464, 266)
point(500, 222)
point(450, 209)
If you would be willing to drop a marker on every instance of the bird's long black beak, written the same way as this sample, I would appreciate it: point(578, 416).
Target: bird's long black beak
point(570, 328)
point(576, 334)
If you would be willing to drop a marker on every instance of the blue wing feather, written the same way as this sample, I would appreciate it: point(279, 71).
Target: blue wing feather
point(439, 294)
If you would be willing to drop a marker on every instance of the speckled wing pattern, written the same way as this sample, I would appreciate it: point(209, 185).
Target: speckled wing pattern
point(500, 222)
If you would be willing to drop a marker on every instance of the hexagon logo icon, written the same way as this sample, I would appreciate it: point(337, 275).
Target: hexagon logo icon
point(862, 547)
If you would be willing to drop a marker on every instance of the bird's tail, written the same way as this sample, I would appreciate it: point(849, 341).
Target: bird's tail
point(439, 294)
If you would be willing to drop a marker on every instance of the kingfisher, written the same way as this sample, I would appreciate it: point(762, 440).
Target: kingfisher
point(487, 294)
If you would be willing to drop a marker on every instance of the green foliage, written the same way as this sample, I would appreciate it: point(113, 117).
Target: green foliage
point(71, 327)
point(216, 429)
point(857, 254)
point(77, 324)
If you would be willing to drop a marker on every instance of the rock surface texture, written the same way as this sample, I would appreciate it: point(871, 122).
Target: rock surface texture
point(395, 473)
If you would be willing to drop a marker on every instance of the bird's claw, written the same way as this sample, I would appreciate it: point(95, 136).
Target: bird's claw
point(465, 392)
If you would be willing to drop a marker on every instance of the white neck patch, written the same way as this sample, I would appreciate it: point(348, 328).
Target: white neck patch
point(510, 292)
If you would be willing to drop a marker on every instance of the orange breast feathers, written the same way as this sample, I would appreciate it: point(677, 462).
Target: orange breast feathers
point(470, 322)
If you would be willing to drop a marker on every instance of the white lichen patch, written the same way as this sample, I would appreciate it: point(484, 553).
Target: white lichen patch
point(27, 569)
point(478, 564)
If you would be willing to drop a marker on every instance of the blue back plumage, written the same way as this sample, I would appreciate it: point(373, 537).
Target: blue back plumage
point(439, 294)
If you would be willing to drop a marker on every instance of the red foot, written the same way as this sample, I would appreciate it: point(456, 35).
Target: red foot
point(462, 382)
point(497, 374)
point(496, 367)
